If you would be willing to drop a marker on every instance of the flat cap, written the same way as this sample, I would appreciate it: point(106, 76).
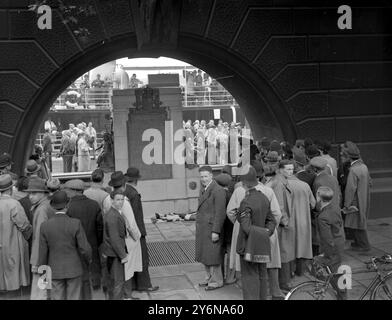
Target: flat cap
point(318, 162)
point(74, 184)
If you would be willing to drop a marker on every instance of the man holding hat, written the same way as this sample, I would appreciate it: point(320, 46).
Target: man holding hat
point(5, 166)
point(41, 212)
point(141, 280)
point(89, 213)
point(209, 227)
point(14, 251)
point(63, 243)
point(357, 195)
point(323, 178)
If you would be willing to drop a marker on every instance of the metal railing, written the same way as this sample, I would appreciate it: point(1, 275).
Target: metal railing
point(207, 97)
point(93, 98)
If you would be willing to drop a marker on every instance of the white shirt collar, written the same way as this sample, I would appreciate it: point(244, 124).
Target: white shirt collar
point(207, 185)
point(354, 161)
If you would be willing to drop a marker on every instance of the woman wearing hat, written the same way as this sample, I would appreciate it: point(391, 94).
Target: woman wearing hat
point(15, 231)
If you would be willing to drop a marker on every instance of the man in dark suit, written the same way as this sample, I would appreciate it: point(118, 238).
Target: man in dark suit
point(114, 247)
point(89, 213)
point(210, 218)
point(62, 244)
point(141, 280)
point(323, 178)
point(254, 211)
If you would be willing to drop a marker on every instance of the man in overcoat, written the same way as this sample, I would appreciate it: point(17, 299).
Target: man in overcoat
point(209, 225)
point(141, 280)
point(357, 194)
point(89, 213)
point(14, 252)
point(63, 246)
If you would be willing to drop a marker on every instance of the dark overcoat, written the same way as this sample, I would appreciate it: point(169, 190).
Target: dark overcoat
point(211, 215)
point(89, 213)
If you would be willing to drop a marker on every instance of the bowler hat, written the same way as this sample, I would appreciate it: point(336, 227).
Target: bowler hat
point(223, 179)
point(32, 167)
point(6, 182)
point(249, 177)
point(117, 179)
point(5, 160)
point(74, 184)
point(133, 173)
point(318, 162)
point(36, 184)
point(59, 200)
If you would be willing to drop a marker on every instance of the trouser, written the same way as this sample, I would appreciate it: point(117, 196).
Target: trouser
point(67, 163)
point(273, 280)
point(66, 289)
point(12, 295)
point(142, 280)
point(48, 155)
point(86, 290)
point(117, 278)
point(227, 273)
point(361, 238)
point(284, 275)
point(315, 250)
point(300, 266)
point(254, 280)
point(36, 292)
point(214, 275)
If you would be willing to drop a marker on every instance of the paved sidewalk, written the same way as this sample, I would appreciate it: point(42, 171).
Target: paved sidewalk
point(180, 282)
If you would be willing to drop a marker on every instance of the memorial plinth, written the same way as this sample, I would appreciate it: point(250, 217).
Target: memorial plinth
point(147, 125)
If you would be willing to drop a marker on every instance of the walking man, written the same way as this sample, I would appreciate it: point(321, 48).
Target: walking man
point(141, 280)
point(62, 244)
point(209, 226)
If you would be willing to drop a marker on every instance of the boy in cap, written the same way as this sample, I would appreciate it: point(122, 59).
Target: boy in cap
point(63, 243)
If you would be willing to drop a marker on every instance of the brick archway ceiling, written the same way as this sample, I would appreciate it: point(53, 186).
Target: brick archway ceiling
point(293, 72)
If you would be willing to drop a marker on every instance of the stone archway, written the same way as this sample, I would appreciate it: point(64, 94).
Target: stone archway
point(260, 103)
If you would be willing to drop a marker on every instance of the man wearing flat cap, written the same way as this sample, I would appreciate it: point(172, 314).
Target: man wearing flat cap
point(63, 245)
point(211, 214)
point(89, 213)
point(41, 211)
point(14, 252)
point(322, 179)
point(357, 195)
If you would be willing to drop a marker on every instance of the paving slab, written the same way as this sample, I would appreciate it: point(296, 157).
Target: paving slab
point(177, 282)
point(185, 294)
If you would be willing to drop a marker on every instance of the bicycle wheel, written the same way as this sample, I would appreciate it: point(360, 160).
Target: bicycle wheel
point(312, 290)
point(383, 291)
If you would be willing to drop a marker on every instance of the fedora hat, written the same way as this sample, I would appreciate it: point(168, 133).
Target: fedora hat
point(250, 177)
point(318, 162)
point(133, 173)
point(53, 184)
point(74, 184)
point(117, 179)
point(223, 179)
point(6, 182)
point(352, 149)
point(5, 160)
point(37, 184)
point(32, 167)
point(272, 156)
point(59, 200)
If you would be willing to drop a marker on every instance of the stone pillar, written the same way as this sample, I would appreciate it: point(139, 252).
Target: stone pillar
point(123, 101)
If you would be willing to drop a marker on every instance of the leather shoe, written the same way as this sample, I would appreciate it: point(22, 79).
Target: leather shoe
point(209, 288)
point(203, 284)
point(153, 288)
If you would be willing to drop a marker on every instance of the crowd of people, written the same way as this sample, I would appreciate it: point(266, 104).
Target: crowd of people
point(207, 143)
point(261, 221)
point(86, 237)
point(268, 218)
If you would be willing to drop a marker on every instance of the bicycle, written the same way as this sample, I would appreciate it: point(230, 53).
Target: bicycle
point(321, 289)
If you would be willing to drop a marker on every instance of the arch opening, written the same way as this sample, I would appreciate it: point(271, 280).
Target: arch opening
point(261, 105)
